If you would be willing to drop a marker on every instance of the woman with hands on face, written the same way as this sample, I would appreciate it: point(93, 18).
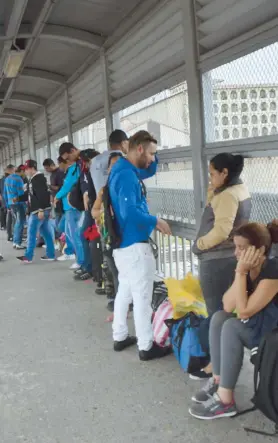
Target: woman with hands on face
point(254, 297)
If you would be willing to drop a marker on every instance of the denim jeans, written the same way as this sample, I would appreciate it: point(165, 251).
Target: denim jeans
point(84, 223)
point(45, 230)
point(20, 219)
point(61, 228)
point(72, 231)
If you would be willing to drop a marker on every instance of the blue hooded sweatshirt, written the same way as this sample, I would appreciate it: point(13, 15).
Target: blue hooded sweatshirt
point(134, 222)
point(72, 176)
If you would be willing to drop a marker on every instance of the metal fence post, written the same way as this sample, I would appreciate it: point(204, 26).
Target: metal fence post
point(68, 115)
point(106, 94)
point(195, 101)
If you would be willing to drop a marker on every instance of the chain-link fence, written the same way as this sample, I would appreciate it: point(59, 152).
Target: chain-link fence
point(240, 98)
point(92, 136)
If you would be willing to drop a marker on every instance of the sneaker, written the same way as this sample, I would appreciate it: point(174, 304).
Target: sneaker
point(66, 257)
point(100, 291)
point(1, 257)
point(24, 259)
point(45, 258)
point(110, 306)
point(83, 276)
point(206, 392)
point(9, 240)
point(79, 271)
point(19, 247)
point(200, 375)
point(213, 408)
point(75, 266)
point(121, 345)
point(155, 352)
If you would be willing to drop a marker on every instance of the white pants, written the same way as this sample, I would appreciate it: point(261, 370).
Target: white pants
point(136, 266)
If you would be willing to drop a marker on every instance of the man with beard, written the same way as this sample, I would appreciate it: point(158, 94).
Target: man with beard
point(134, 257)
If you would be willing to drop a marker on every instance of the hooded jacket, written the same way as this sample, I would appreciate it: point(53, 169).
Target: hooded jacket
point(71, 178)
point(227, 208)
point(37, 194)
point(134, 223)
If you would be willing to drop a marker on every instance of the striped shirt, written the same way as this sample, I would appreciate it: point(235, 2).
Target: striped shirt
point(13, 188)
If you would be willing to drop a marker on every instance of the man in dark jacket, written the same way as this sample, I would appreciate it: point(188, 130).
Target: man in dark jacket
point(38, 197)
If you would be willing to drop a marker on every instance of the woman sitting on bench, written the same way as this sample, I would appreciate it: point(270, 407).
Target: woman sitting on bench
point(254, 296)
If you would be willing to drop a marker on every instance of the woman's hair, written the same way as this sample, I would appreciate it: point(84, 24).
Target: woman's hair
point(233, 163)
point(259, 235)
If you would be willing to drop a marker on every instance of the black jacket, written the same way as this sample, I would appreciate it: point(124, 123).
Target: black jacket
point(37, 194)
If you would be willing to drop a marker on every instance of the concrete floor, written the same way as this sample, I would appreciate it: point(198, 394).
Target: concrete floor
point(61, 382)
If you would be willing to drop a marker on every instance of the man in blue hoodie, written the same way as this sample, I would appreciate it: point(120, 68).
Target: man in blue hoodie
point(134, 258)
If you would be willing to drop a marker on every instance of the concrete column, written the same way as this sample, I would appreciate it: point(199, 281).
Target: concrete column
point(48, 149)
point(106, 94)
point(32, 148)
point(68, 116)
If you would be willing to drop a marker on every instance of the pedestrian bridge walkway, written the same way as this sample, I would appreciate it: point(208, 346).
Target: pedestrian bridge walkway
point(61, 382)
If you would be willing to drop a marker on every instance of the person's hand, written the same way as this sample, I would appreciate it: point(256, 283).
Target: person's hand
point(41, 215)
point(15, 200)
point(86, 201)
point(249, 259)
point(55, 201)
point(163, 227)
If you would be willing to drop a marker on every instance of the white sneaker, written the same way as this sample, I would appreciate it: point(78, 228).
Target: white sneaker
point(75, 266)
point(56, 246)
point(66, 257)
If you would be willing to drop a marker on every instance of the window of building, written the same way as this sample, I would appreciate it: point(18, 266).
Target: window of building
point(235, 133)
point(273, 106)
point(273, 118)
point(254, 119)
point(234, 107)
point(264, 131)
point(254, 106)
point(233, 95)
point(274, 130)
point(224, 108)
point(235, 120)
point(215, 95)
point(255, 132)
point(253, 94)
point(244, 107)
point(262, 93)
point(244, 120)
point(243, 94)
point(272, 93)
point(264, 118)
point(216, 135)
point(226, 134)
point(264, 106)
point(245, 132)
point(216, 121)
point(215, 108)
point(224, 95)
point(225, 121)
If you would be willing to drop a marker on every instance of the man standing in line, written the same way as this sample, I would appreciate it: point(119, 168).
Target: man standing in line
point(13, 189)
point(38, 197)
point(134, 258)
point(9, 216)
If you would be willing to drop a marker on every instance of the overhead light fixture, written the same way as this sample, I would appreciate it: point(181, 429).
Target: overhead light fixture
point(13, 64)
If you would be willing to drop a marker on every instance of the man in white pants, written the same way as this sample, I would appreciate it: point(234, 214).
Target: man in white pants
point(134, 258)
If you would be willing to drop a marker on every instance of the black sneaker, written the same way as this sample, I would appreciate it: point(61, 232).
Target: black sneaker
point(208, 390)
point(200, 375)
point(1, 257)
point(155, 352)
point(45, 258)
point(110, 306)
point(100, 291)
point(24, 259)
point(79, 271)
point(83, 276)
point(9, 240)
point(121, 345)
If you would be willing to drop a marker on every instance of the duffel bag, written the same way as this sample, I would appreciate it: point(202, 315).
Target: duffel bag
point(160, 329)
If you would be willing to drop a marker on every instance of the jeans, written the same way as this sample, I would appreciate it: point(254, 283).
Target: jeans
point(45, 230)
point(10, 224)
point(3, 212)
point(136, 266)
point(84, 223)
point(72, 231)
point(61, 228)
point(20, 219)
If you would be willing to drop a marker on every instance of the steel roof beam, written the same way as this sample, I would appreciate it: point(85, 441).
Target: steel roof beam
point(25, 98)
point(11, 118)
point(43, 75)
point(72, 36)
point(17, 113)
point(8, 127)
point(5, 134)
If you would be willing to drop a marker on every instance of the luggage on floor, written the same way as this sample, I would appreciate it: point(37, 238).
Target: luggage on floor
point(160, 329)
point(185, 342)
point(160, 294)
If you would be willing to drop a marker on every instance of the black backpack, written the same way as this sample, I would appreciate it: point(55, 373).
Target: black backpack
point(111, 238)
point(75, 196)
point(266, 381)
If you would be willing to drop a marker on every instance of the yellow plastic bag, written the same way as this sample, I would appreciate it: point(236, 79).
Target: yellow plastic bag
point(185, 296)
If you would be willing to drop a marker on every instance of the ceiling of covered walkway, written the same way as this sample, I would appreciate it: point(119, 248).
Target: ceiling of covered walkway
point(45, 44)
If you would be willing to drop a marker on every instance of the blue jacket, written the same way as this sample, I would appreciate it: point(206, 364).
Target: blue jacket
point(134, 223)
point(71, 178)
point(13, 188)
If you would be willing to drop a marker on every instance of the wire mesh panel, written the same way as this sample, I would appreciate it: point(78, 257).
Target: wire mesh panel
point(240, 97)
point(170, 192)
point(92, 136)
point(260, 175)
point(164, 115)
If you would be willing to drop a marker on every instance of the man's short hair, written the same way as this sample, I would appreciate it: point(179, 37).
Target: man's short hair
point(66, 148)
point(48, 162)
point(20, 168)
point(88, 154)
point(141, 138)
point(31, 164)
point(117, 137)
point(10, 166)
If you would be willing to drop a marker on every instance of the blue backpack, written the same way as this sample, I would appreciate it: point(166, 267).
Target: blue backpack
point(185, 342)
